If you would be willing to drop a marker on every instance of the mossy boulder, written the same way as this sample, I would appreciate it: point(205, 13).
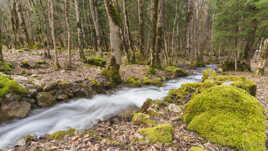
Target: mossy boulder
point(196, 148)
point(10, 86)
point(61, 134)
point(237, 81)
point(227, 116)
point(178, 72)
point(208, 73)
point(142, 119)
point(97, 61)
point(6, 67)
point(134, 81)
point(45, 99)
point(158, 134)
point(149, 81)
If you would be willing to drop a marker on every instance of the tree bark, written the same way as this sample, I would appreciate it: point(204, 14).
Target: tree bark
point(52, 27)
point(160, 32)
point(263, 59)
point(114, 24)
point(95, 18)
point(154, 33)
point(141, 26)
point(66, 12)
point(22, 23)
point(1, 44)
point(79, 29)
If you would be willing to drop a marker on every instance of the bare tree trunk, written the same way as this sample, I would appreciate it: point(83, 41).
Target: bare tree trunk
point(141, 27)
point(14, 22)
point(154, 32)
point(160, 32)
point(23, 24)
point(79, 29)
point(114, 24)
point(95, 18)
point(66, 12)
point(51, 22)
point(263, 59)
point(189, 19)
point(127, 32)
point(1, 44)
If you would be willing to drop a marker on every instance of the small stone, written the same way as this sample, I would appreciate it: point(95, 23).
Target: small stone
point(174, 108)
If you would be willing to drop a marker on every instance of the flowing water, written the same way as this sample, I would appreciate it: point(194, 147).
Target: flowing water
point(83, 113)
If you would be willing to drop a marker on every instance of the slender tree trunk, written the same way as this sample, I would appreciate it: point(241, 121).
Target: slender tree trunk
point(189, 19)
point(95, 18)
point(15, 23)
point(141, 27)
point(127, 32)
point(263, 59)
point(154, 32)
point(79, 29)
point(66, 12)
point(51, 21)
point(1, 44)
point(23, 24)
point(160, 32)
point(114, 24)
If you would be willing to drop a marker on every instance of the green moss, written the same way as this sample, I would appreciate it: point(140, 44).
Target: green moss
point(158, 134)
point(61, 134)
point(228, 116)
point(112, 72)
point(237, 81)
point(186, 91)
point(142, 119)
point(155, 82)
point(97, 61)
point(6, 67)
point(95, 83)
point(177, 71)
point(10, 86)
point(208, 73)
point(40, 62)
point(146, 105)
point(135, 81)
point(196, 148)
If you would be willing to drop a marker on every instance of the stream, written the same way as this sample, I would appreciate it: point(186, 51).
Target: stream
point(84, 113)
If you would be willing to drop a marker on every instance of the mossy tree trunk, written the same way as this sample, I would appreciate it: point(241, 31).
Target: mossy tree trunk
point(114, 24)
point(79, 30)
point(263, 59)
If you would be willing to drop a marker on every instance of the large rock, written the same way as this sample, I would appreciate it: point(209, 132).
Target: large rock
point(16, 109)
point(228, 116)
point(45, 99)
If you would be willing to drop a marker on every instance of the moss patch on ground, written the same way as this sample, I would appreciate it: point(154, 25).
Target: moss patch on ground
point(97, 61)
point(208, 73)
point(10, 86)
point(158, 134)
point(61, 134)
point(196, 148)
point(177, 71)
point(142, 119)
point(228, 116)
point(6, 67)
point(149, 81)
point(134, 81)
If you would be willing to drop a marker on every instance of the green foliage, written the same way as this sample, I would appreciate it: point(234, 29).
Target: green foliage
point(142, 119)
point(230, 66)
point(10, 86)
point(148, 81)
point(177, 71)
point(6, 67)
point(151, 71)
point(158, 134)
point(208, 73)
point(61, 134)
point(228, 116)
point(135, 81)
point(97, 61)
